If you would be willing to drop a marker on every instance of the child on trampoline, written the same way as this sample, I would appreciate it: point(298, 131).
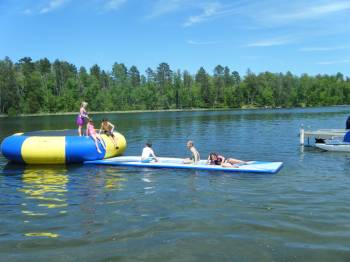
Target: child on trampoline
point(90, 131)
point(107, 128)
point(82, 117)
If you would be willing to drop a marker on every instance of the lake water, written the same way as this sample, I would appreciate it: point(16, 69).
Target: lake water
point(101, 213)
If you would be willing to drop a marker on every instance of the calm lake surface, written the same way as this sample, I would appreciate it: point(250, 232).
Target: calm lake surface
point(101, 213)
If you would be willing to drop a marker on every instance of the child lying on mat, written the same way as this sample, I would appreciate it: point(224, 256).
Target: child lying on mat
point(216, 159)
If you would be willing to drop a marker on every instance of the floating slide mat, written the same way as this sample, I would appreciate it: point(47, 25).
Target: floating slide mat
point(165, 162)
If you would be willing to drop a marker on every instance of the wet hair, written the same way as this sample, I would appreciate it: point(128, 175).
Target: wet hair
point(149, 144)
point(213, 154)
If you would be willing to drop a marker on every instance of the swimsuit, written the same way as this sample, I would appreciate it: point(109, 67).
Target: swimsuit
point(218, 161)
point(81, 118)
point(91, 130)
point(147, 160)
point(108, 133)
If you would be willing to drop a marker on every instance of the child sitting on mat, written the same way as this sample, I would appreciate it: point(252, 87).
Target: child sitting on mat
point(195, 154)
point(148, 154)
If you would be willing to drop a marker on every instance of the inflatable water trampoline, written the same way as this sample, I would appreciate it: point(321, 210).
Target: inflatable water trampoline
point(58, 147)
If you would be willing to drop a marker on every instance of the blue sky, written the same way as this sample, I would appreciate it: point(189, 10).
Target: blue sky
point(278, 36)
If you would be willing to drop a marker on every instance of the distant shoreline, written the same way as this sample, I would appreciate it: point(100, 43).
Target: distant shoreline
point(127, 111)
point(157, 110)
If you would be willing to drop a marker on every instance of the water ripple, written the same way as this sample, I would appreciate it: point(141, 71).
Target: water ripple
point(90, 213)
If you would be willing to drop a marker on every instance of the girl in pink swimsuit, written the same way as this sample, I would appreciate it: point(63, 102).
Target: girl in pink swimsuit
point(90, 131)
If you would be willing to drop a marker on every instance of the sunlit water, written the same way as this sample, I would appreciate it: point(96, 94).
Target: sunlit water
point(101, 213)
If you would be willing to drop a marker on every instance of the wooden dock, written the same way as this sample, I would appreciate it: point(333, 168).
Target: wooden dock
point(320, 134)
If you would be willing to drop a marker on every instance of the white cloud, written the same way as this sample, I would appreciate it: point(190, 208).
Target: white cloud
point(270, 42)
point(53, 4)
point(269, 12)
point(334, 62)
point(211, 11)
point(307, 11)
point(163, 7)
point(323, 48)
point(114, 4)
point(191, 42)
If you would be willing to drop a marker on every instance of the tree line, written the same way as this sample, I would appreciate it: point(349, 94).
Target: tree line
point(42, 86)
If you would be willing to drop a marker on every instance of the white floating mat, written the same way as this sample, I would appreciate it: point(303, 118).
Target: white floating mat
point(165, 162)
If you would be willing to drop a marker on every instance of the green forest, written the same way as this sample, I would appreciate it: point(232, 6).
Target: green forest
point(44, 86)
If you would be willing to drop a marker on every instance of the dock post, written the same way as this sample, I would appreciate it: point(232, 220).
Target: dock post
point(301, 135)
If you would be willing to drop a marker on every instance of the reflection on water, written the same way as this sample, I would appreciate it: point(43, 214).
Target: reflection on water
point(114, 183)
point(113, 180)
point(149, 183)
point(44, 190)
point(48, 186)
point(48, 193)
